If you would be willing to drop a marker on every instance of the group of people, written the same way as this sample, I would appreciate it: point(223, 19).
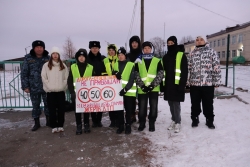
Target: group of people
point(142, 76)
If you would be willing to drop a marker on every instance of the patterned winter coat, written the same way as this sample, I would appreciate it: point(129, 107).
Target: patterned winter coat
point(203, 67)
point(31, 71)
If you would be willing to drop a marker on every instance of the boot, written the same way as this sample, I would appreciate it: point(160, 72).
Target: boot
point(133, 119)
point(141, 126)
point(79, 129)
point(195, 121)
point(151, 126)
point(86, 128)
point(47, 121)
point(120, 129)
point(99, 124)
point(210, 123)
point(127, 129)
point(112, 124)
point(37, 124)
point(94, 124)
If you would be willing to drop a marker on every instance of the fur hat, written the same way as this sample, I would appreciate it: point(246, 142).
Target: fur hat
point(38, 43)
point(94, 44)
point(80, 52)
point(122, 50)
point(173, 39)
point(147, 43)
point(203, 37)
point(55, 50)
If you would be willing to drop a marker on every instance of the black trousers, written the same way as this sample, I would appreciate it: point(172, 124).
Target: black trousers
point(143, 106)
point(113, 116)
point(204, 95)
point(56, 106)
point(79, 118)
point(96, 117)
point(129, 103)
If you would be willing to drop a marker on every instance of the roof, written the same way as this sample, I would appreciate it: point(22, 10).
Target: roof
point(229, 29)
point(189, 42)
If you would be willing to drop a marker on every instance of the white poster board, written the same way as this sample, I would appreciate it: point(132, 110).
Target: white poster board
point(98, 94)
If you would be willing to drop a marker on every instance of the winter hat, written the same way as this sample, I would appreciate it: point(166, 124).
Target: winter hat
point(173, 39)
point(135, 38)
point(55, 50)
point(203, 37)
point(122, 50)
point(80, 52)
point(94, 44)
point(147, 43)
point(112, 46)
point(38, 43)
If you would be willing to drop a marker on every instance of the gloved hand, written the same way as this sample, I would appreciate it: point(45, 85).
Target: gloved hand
point(118, 75)
point(150, 88)
point(123, 92)
point(144, 89)
point(73, 96)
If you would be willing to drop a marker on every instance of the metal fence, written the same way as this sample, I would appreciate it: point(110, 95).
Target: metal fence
point(11, 93)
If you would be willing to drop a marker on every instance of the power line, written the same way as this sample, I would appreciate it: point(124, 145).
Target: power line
point(212, 11)
point(132, 21)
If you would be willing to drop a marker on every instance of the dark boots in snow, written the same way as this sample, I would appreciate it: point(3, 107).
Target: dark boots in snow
point(141, 126)
point(112, 124)
point(79, 129)
point(86, 128)
point(195, 121)
point(47, 121)
point(151, 126)
point(210, 123)
point(37, 124)
point(127, 129)
point(120, 129)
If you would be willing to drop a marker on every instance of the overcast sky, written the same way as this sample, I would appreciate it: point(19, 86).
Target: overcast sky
point(52, 21)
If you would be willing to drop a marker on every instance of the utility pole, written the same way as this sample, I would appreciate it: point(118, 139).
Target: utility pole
point(228, 42)
point(142, 21)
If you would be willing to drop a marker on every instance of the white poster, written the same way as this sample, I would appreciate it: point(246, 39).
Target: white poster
point(98, 94)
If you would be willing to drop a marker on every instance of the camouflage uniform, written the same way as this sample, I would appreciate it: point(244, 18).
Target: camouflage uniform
point(31, 78)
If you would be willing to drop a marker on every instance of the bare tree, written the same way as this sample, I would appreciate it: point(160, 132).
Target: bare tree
point(186, 39)
point(68, 49)
point(158, 45)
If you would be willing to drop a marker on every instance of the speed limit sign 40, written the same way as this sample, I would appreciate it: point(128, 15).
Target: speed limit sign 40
point(108, 93)
point(82, 95)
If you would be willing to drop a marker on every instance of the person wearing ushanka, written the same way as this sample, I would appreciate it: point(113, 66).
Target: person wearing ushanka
point(124, 71)
point(111, 60)
point(204, 74)
point(148, 75)
point(132, 56)
point(54, 76)
point(80, 69)
point(100, 69)
point(31, 80)
point(175, 68)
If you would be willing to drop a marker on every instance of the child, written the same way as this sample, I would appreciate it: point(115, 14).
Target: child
point(175, 68)
point(124, 71)
point(54, 76)
point(80, 69)
point(148, 75)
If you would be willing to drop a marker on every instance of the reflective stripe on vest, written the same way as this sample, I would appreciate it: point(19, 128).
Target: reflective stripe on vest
point(148, 77)
point(76, 74)
point(178, 67)
point(107, 67)
point(125, 77)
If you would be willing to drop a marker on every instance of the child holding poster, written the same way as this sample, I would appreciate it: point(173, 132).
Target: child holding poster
point(148, 75)
point(124, 71)
point(80, 69)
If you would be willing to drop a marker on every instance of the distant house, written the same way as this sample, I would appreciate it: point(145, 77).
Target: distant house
point(12, 64)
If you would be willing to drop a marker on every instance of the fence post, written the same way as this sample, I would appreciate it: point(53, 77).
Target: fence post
point(228, 42)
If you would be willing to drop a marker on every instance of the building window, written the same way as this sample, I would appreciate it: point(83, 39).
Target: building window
point(240, 39)
point(223, 54)
point(223, 41)
point(218, 43)
point(233, 53)
point(214, 43)
point(219, 54)
point(234, 39)
point(211, 44)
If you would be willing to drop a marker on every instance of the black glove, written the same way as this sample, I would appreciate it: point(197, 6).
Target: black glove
point(144, 89)
point(118, 75)
point(123, 92)
point(73, 96)
point(150, 88)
